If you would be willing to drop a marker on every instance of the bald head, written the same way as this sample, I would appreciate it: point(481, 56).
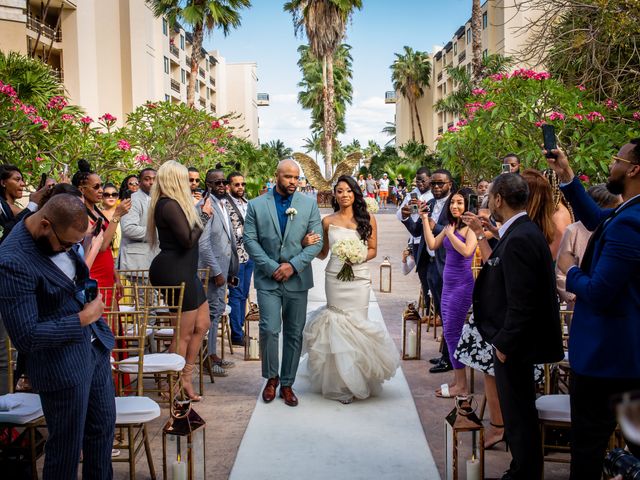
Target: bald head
point(66, 211)
point(287, 177)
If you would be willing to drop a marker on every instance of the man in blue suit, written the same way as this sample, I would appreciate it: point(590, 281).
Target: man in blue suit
point(67, 344)
point(604, 342)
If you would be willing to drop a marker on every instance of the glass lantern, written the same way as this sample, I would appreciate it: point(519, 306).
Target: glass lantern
point(385, 276)
point(463, 422)
point(411, 333)
point(252, 333)
point(183, 444)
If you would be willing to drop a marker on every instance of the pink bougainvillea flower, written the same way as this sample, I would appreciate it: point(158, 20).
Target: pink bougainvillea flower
point(577, 116)
point(489, 105)
point(213, 141)
point(581, 88)
point(636, 115)
point(142, 158)
point(215, 124)
point(539, 123)
point(151, 105)
point(473, 107)
point(542, 76)
point(222, 150)
point(39, 159)
point(556, 116)
point(7, 90)
point(478, 91)
point(39, 121)
point(107, 118)
point(124, 145)
point(498, 76)
point(595, 117)
point(86, 120)
point(611, 104)
point(453, 129)
point(58, 103)
point(462, 122)
point(67, 117)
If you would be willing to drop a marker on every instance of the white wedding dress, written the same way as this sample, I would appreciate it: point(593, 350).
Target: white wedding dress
point(348, 355)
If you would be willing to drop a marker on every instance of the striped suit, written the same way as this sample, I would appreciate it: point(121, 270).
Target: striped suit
point(39, 305)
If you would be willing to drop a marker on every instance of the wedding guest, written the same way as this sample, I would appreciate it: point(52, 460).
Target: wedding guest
point(109, 205)
point(362, 183)
point(516, 309)
point(460, 243)
point(513, 161)
point(12, 186)
point(576, 236)
point(371, 186)
point(194, 184)
point(65, 340)
point(383, 190)
point(481, 188)
point(129, 186)
point(179, 228)
point(562, 214)
point(237, 208)
point(604, 334)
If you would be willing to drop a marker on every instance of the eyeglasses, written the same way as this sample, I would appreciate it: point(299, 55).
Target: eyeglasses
point(243, 184)
point(438, 184)
point(66, 245)
point(110, 195)
point(218, 182)
point(620, 159)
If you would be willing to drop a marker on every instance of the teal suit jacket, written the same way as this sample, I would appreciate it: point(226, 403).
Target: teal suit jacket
point(269, 248)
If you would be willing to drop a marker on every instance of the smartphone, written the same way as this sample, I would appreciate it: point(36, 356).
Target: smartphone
point(549, 139)
point(473, 203)
point(415, 208)
point(234, 281)
point(414, 196)
point(97, 228)
point(43, 181)
point(506, 168)
point(90, 290)
point(127, 194)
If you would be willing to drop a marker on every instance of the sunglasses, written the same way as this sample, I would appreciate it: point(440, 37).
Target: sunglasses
point(439, 184)
point(66, 245)
point(194, 180)
point(110, 195)
point(218, 182)
point(96, 187)
point(132, 184)
point(243, 184)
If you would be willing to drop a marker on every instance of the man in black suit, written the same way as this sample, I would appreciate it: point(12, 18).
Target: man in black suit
point(516, 309)
point(429, 264)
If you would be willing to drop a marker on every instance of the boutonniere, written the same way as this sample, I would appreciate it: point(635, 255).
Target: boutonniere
point(291, 212)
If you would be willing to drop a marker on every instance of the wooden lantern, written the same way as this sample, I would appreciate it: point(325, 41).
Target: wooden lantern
point(461, 422)
point(411, 333)
point(385, 276)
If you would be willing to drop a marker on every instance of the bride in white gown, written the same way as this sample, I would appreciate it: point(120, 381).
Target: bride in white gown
point(349, 355)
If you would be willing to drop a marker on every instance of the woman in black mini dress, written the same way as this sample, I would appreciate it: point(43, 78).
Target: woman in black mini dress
point(178, 229)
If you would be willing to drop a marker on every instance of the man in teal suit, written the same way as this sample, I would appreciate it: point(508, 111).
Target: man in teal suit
point(275, 225)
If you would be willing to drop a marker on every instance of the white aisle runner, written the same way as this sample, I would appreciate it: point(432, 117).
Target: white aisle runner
point(377, 438)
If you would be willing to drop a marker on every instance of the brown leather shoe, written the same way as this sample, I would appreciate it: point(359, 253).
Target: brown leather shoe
point(289, 397)
point(269, 392)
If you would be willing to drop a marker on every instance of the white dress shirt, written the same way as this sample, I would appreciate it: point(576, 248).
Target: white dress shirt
point(505, 226)
point(423, 197)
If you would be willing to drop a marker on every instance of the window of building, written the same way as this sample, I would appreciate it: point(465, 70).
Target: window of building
point(183, 75)
point(166, 97)
point(484, 20)
point(469, 36)
point(197, 86)
point(182, 42)
point(455, 48)
point(165, 27)
point(166, 65)
point(208, 94)
point(485, 53)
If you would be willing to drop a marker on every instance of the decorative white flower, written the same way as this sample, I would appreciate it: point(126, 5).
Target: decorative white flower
point(372, 205)
point(292, 212)
point(351, 252)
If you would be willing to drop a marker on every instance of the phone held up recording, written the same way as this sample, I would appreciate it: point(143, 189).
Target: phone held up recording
point(90, 290)
point(549, 139)
point(473, 203)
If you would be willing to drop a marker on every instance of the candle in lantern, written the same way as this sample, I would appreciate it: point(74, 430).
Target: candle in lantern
point(412, 346)
point(254, 349)
point(473, 469)
point(179, 470)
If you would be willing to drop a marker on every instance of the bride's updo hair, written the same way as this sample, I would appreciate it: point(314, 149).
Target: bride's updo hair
point(360, 212)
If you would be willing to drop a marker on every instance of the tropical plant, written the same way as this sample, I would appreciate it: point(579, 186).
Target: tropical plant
point(278, 149)
point(411, 74)
point(505, 115)
point(33, 80)
point(352, 147)
point(476, 40)
point(203, 17)
point(313, 144)
point(390, 129)
point(324, 22)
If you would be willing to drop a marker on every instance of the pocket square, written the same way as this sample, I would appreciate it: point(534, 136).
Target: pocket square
point(493, 262)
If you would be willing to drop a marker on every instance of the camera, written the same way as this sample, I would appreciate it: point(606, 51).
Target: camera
point(621, 462)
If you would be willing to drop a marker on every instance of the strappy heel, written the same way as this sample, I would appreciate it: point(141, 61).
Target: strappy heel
point(489, 446)
point(187, 383)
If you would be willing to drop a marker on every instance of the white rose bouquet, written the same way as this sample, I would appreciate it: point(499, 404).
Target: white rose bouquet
point(372, 205)
point(351, 252)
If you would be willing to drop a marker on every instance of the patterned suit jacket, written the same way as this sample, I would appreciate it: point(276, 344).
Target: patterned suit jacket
point(39, 305)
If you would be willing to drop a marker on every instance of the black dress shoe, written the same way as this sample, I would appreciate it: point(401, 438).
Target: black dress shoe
point(435, 360)
point(238, 343)
point(441, 367)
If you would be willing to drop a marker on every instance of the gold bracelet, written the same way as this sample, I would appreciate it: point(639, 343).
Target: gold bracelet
point(115, 220)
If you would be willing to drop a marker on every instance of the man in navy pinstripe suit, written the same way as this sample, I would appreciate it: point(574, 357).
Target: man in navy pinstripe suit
point(66, 342)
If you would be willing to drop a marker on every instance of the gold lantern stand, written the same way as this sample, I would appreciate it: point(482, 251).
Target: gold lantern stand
point(184, 424)
point(252, 333)
point(385, 275)
point(463, 419)
point(411, 317)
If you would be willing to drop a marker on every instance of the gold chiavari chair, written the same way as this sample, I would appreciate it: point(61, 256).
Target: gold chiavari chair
point(165, 304)
point(204, 361)
point(132, 412)
point(224, 329)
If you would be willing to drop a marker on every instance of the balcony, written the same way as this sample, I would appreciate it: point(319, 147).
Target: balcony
point(189, 61)
point(440, 130)
point(203, 102)
point(174, 50)
point(390, 96)
point(175, 85)
point(212, 80)
point(201, 71)
point(462, 57)
point(213, 108)
point(43, 29)
point(440, 77)
point(263, 99)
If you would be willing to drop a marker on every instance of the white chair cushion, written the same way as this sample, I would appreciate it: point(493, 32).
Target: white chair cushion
point(154, 363)
point(28, 408)
point(555, 408)
point(127, 308)
point(135, 410)
point(132, 331)
point(164, 332)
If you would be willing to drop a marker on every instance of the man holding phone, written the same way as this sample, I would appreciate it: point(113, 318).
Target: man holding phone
point(65, 340)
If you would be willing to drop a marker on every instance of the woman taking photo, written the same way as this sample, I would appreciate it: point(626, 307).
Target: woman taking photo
point(128, 186)
point(457, 286)
point(178, 230)
point(109, 206)
point(12, 187)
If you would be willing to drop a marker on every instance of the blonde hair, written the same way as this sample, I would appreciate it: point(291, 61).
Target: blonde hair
point(172, 182)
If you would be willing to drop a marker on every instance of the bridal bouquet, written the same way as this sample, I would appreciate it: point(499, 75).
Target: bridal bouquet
point(351, 252)
point(372, 205)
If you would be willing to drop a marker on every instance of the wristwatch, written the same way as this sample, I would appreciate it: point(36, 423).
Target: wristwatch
point(115, 220)
point(481, 237)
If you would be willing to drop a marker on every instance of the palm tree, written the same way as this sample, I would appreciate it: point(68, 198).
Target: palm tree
point(279, 149)
point(202, 16)
point(411, 74)
point(353, 147)
point(313, 144)
point(476, 43)
point(324, 22)
point(34, 80)
point(390, 129)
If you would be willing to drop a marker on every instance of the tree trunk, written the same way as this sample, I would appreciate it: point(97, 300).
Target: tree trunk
point(476, 44)
point(196, 56)
point(413, 127)
point(329, 114)
point(415, 107)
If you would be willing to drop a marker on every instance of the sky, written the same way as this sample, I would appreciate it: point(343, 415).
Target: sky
point(375, 33)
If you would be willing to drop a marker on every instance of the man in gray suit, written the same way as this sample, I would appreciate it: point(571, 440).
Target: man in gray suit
point(218, 253)
point(135, 252)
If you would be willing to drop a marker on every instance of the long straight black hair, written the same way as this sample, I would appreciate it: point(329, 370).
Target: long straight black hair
point(360, 212)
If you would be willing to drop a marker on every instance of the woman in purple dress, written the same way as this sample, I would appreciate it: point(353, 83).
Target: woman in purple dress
point(457, 287)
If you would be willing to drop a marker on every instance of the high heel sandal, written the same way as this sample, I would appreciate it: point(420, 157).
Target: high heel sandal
point(187, 383)
point(489, 446)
